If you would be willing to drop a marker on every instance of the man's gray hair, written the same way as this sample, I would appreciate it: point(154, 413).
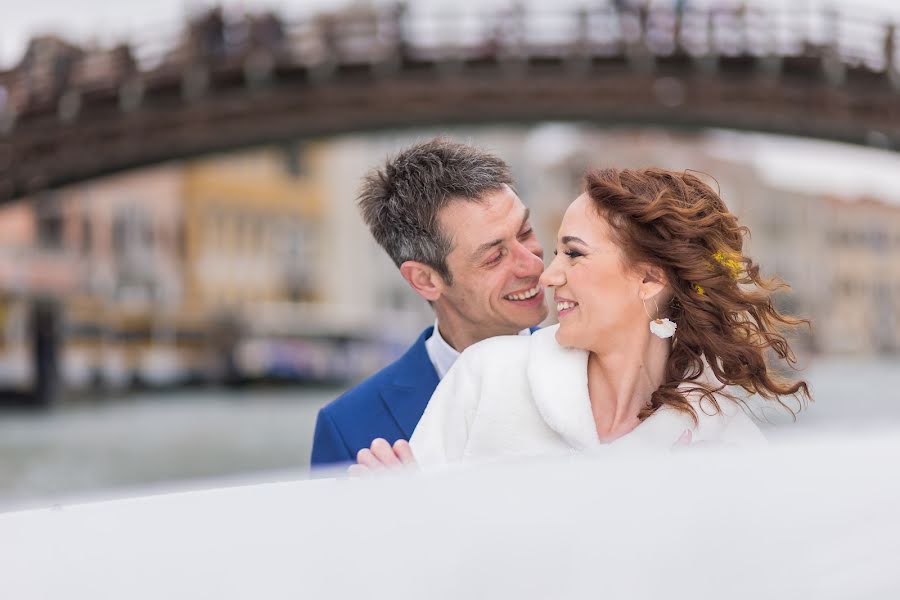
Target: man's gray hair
point(401, 201)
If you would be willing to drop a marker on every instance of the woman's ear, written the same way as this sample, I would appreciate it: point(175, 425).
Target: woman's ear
point(423, 279)
point(653, 281)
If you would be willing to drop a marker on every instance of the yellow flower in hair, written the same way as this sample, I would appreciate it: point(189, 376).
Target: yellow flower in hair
point(729, 263)
point(699, 289)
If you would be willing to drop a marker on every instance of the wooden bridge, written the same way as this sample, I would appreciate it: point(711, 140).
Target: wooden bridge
point(83, 115)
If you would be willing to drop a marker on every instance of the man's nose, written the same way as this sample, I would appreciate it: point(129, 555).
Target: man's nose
point(528, 261)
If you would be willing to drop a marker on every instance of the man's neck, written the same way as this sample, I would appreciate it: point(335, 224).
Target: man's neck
point(457, 340)
point(458, 335)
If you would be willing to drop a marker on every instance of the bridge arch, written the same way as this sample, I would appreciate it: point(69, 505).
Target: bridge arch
point(370, 70)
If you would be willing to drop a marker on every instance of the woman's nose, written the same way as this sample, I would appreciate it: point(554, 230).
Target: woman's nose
point(552, 276)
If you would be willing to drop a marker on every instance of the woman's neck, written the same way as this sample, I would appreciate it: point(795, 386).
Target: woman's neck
point(621, 380)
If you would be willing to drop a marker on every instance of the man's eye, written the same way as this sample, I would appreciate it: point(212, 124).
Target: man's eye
point(526, 233)
point(495, 259)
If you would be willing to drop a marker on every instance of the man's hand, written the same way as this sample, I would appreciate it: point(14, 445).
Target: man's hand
point(381, 455)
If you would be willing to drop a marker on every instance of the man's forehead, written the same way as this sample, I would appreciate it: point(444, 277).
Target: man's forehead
point(464, 218)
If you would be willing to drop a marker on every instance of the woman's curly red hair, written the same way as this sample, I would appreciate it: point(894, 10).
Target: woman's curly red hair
point(721, 303)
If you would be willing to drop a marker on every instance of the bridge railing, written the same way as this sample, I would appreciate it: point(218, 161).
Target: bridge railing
point(54, 75)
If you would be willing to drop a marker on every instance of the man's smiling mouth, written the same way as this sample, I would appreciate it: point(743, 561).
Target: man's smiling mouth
point(526, 295)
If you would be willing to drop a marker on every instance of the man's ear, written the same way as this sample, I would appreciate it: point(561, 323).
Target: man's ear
point(424, 279)
point(653, 281)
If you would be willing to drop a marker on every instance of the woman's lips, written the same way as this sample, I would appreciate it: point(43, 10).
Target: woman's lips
point(565, 306)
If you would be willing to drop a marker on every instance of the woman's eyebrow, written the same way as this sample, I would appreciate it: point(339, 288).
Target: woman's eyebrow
point(571, 238)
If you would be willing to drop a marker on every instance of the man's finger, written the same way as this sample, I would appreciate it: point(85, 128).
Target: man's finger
point(366, 458)
point(404, 452)
point(383, 452)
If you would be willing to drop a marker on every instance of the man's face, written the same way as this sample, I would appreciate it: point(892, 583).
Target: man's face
point(495, 263)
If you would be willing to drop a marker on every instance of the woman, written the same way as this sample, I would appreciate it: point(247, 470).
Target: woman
point(664, 326)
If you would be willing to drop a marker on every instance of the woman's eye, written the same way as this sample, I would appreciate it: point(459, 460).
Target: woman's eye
point(573, 253)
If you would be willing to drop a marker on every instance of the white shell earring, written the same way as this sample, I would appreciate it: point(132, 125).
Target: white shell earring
point(661, 328)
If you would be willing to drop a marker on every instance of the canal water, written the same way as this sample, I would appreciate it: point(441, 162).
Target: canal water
point(150, 442)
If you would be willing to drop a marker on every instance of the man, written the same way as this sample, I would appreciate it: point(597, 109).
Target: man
point(446, 215)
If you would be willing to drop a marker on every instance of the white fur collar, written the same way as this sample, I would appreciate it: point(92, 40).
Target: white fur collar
point(558, 379)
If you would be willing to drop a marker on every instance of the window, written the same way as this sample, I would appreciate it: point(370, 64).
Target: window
point(49, 222)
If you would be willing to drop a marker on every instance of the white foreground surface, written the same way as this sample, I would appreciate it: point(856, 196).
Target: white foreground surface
point(815, 521)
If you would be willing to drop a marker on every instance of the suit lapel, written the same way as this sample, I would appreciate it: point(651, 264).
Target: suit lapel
point(408, 394)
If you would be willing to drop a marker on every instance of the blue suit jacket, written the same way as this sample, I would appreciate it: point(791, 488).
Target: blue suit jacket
point(387, 405)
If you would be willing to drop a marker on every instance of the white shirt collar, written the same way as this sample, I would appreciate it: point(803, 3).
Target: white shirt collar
point(442, 354)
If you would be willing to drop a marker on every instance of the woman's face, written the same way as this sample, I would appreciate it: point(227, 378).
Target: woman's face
point(598, 299)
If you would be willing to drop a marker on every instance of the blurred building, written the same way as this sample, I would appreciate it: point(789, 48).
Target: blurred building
point(253, 220)
point(126, 229)
point(840, 256)
point(862, 312)
point(282, 266)
point(35, 276)
point(253, 234)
